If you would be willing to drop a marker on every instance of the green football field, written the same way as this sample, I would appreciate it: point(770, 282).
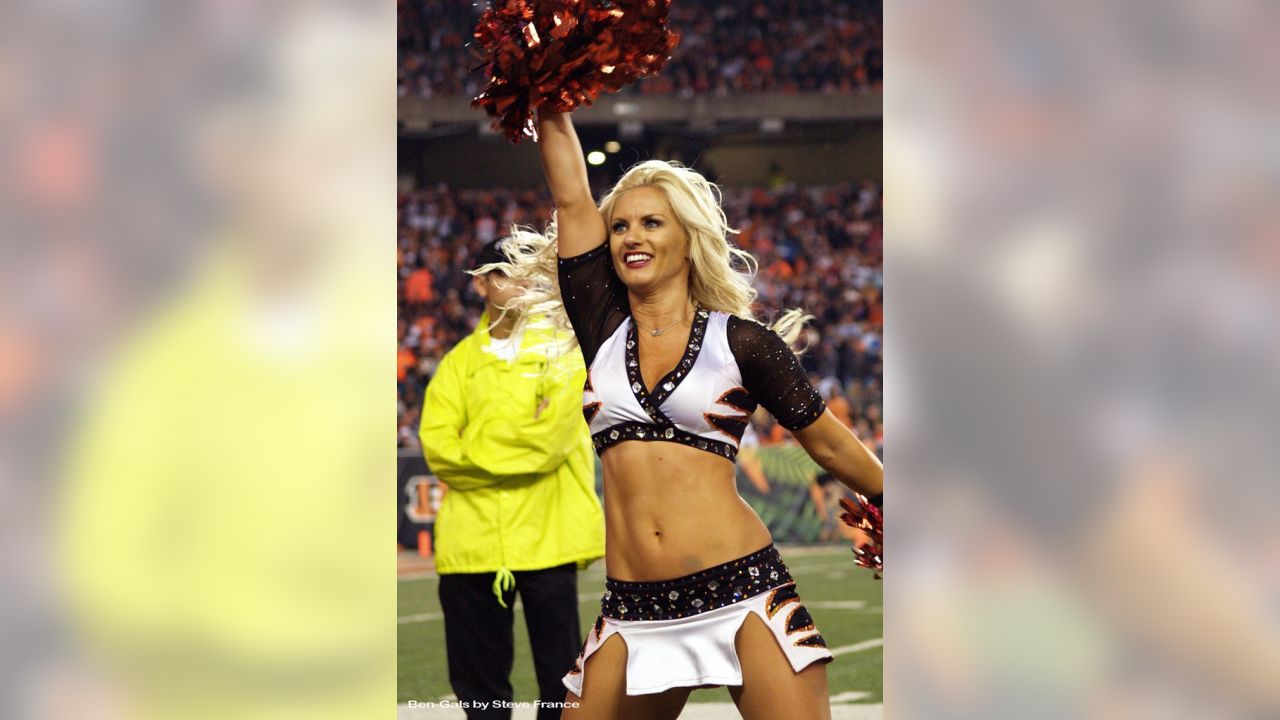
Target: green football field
point(845, 602)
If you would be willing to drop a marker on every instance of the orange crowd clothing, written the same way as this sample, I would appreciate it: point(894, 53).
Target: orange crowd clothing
point(417, 288)
point(840, 407)
point(405, 359)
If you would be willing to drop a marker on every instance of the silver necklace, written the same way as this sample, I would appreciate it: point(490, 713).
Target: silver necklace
point(658, 331)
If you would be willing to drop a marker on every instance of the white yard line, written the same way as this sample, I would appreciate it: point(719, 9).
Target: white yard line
point(858, 647)
point(421, 617)
point(836, 604)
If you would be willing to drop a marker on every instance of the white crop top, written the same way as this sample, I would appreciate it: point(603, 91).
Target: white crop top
point(729, 365)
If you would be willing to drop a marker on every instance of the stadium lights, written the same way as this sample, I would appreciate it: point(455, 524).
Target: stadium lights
point(612, 146)
point(595, 157)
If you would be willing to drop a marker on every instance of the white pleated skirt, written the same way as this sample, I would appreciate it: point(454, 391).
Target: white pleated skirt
point(699, 650)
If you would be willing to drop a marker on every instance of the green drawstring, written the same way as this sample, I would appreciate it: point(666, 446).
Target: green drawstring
point(503, 582)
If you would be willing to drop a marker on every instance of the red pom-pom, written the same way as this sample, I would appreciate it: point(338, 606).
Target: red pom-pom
point(868, 518)
point(562, 54)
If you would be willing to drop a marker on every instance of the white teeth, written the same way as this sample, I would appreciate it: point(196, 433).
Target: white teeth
point(636, 257)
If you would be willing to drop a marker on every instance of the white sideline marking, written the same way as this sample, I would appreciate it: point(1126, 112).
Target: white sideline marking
point(420, 617)
point(858, 647)
point(836, 604)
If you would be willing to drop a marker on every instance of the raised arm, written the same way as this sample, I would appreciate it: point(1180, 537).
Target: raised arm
point(579, 225)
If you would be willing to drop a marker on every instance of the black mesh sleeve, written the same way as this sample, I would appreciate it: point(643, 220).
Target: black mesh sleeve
point(772, 374)
point(594, 298)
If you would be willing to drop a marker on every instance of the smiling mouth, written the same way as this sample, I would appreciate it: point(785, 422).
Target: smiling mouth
point(636, 260)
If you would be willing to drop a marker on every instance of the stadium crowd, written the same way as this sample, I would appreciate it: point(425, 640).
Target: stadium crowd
point(793, 46)
point(817, 248)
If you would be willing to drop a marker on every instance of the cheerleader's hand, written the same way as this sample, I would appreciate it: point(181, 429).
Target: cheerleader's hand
point(867, 522)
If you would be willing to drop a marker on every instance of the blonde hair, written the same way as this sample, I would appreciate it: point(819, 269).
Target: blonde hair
point(719, 273)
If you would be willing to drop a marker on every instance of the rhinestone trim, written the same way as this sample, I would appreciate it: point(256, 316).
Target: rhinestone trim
point(609, 437)
point(694, 594)
point(669, 382)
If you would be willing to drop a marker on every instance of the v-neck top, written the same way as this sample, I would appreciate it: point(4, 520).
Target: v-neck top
point(729, 365)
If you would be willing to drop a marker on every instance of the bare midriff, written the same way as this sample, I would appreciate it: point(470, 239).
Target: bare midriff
point(672, 510)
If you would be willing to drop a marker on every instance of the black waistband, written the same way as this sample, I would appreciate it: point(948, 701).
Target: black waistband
point(694, 594)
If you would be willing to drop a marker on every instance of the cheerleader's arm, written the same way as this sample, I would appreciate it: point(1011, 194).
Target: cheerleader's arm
point(579, 225)
point(841, 453)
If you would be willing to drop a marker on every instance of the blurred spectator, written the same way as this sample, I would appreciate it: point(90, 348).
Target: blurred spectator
point(808, 241)
point(726, 48)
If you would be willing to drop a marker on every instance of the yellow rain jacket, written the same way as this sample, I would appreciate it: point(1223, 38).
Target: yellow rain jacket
point(521, 482)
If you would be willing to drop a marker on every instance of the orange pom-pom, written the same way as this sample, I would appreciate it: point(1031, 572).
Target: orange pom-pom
point(862, 515)
point(563, 54)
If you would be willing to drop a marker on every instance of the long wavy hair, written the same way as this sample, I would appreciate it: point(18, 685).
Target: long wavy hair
point(719, 273)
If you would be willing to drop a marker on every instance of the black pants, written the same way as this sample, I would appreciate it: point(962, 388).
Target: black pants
point(480, 637)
